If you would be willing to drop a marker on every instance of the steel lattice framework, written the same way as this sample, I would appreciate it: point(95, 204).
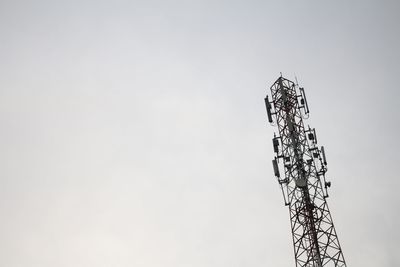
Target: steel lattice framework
point(303, 184)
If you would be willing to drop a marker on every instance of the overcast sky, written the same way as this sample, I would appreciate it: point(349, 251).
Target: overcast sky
point(134, 133)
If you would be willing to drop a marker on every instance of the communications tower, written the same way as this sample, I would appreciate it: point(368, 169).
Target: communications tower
point(300, 167)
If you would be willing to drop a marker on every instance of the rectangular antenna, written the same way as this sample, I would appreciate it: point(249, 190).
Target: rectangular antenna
point(315, 136)
point(276, 168)
point(268, 106)
point(305, 100)
point(275, 142)
point(323, 155)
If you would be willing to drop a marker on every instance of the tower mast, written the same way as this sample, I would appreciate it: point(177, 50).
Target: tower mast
point(303, 182)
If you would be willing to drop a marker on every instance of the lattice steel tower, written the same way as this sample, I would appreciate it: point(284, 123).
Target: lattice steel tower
point(303, 184)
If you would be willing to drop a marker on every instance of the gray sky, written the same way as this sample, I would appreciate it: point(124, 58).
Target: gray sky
point(134, 133)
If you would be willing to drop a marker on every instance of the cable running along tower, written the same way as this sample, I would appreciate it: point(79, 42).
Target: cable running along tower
point(303, 166)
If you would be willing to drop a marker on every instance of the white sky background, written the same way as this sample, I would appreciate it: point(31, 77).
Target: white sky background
point(134, 133)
